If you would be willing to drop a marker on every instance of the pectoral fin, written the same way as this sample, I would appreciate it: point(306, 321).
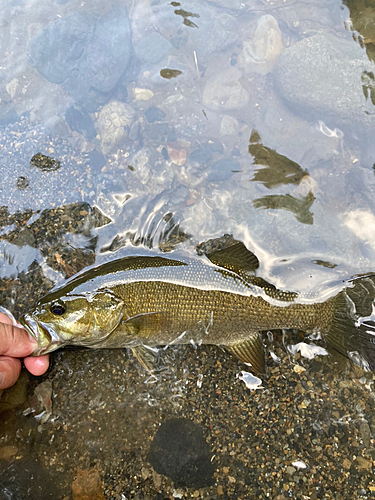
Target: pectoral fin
point(250, 351)
point(145, 324)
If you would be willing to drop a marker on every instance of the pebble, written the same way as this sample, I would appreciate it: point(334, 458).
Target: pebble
point(223, 91)
point(346, 464)
point(142, 94)
point(177, 155)
point(290, 470)
point(263, 48)
point(229, 126)
point(87, 485)
point(112, 125)
point(363, 463)
point(8, 452)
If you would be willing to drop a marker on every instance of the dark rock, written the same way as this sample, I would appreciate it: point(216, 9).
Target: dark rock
point(154, 114)
point(88, 56)
point(80, 122)
point(22, 183)
point(26, 479)
point(171, 135)
point(45, 163)
point(180, 451)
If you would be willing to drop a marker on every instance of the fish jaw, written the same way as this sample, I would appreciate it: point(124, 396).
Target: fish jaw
point(45, 336)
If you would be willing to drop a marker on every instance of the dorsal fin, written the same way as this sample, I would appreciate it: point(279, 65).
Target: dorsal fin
point(235, 258)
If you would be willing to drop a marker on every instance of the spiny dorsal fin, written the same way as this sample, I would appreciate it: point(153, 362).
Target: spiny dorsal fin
point(242, 261)
point(272, 291)
point(250, 351)
point(235, 258)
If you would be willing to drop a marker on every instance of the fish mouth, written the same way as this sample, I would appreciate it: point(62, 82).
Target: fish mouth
point(46, 338)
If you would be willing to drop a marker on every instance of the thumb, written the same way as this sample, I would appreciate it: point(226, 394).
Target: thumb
point(15, 341)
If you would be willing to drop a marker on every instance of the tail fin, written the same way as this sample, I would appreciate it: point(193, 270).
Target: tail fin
point(352, 332)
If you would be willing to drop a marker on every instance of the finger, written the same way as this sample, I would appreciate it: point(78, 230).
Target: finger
point(10, 369)
point(4, 318)
point(37, 365)
point(15, 341)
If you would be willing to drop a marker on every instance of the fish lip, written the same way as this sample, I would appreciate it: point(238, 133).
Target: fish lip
point(46, 339)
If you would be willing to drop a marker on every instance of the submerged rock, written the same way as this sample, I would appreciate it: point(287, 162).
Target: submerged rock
point(224, 91)
point(180, 451)
point(324, 75)
point(261, 50)
point(113, 124)
point(88, 56)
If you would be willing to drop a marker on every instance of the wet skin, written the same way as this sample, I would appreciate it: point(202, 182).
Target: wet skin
point(15, 343)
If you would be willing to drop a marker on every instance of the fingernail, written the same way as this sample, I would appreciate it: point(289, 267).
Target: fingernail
point(2, 379)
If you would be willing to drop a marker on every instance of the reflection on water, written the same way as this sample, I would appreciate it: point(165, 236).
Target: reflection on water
point(278, 168)
point(147, 109)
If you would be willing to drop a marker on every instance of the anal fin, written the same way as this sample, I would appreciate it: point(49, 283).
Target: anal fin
point(250, 351)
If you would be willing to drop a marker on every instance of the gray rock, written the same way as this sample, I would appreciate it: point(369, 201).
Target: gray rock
point(154, 114)
point(229, 126)
point(87, 56)
point(322, 76)
point(262, 49)
point(113, 124)
point(224, 91)
point(152, 48)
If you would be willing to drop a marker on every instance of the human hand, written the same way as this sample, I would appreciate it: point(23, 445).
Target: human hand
point(16, 343)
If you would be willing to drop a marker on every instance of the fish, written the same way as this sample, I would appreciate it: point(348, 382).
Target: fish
point(142, 302)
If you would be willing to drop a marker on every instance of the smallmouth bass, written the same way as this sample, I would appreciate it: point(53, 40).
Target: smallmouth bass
point(142, 301)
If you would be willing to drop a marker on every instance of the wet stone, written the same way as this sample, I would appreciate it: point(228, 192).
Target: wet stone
point(262, 49)
point(156, 131)
point(80, 122)
point(114, 121)
point(15, 481)
point(224, 91)
point(45, 163)
point(87, 485)
point(152, 48)
point(154, 114)
point(321, 76)
point(88, 56)
point(180, 451)
point(22, 183)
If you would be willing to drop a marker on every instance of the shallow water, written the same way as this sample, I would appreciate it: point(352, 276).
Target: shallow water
point(174, 124)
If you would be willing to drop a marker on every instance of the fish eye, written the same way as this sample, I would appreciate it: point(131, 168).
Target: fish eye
point(57, 309)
